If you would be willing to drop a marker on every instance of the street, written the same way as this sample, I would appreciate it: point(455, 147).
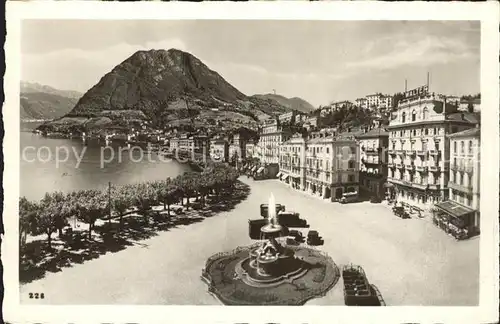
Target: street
point(411, 261)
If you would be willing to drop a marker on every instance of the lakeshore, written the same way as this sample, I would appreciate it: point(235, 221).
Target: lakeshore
point(410, 261)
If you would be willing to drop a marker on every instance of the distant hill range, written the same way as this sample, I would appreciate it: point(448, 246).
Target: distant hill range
point(294, 103)
point(41, 102)
point(167, 87)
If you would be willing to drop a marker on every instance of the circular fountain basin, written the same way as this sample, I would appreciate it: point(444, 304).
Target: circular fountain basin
point(295, 276)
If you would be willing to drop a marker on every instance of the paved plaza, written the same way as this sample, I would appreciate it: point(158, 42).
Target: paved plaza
point(411, 261)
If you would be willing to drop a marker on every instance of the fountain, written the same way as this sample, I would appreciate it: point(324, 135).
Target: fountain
point(270, 272)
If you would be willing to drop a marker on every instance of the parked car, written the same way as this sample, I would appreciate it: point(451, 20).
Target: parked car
point(375, 200)
point(291, 219)
point(400, 212)
point(297, 236)
point(313, 238)
point(349, 197)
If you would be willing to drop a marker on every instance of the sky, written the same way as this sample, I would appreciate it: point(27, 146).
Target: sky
point(319, 61)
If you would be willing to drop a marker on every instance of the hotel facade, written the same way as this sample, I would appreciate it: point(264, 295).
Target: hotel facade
point(419, 152)
point(325, 164)
point(271, 138)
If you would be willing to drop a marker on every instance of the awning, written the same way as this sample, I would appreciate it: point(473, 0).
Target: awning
point(388, 185)
point(285, 176)
point(254, 168)
point(453, 209)
point(278, 175)
point(260, 170)
point(295, 176)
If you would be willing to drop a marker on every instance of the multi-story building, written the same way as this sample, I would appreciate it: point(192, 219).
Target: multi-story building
point(292, 157)
point(287, 118)
point(373, 167)
point(467, 105)
point(251, 150)
point(271, 138)
point(341, 104)
point(219, 149)
point(463, 204)
point(332, 164)
point(362, 103)
point(418, 147)
point(312, 122)
point(237, 148)
point(379, 101)
point(199, 144)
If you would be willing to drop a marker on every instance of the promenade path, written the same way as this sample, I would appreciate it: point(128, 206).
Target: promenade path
point(410, 261)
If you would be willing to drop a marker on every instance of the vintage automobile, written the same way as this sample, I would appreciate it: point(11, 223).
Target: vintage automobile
point(400, 212)
point(313, 238)
point(375, 200)
point(291, 219)
point(357, 290)
point(297, 236)
point(349, 197)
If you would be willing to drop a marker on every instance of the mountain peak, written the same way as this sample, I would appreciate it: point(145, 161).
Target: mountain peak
point(152, 80)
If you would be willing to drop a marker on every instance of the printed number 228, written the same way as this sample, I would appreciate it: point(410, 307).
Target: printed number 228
point(36, 296)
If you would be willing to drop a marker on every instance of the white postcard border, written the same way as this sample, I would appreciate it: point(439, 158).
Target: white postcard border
point(486, 12)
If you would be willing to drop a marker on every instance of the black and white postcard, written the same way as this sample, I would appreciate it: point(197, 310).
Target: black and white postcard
point(160, 155)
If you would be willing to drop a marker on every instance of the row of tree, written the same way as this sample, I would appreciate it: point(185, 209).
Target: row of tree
point(53, 212)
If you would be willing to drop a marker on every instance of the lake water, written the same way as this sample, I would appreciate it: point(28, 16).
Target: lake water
point(42, 170)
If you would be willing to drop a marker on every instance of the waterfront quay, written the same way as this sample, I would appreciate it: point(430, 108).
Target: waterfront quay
point(409, 260)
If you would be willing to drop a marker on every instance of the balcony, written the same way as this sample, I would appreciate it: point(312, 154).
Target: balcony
point(371, 162)
point(434, 186)
point(399, 166)
point(454, 167)
point(456, 186)
point(400, 151)
point(421, 186)
point(434, 168)
point(468, 169)
point(434, 152)
point(420, 153)
point(411, 152)
point(421, 168)
point(410, 166)
point(401, 182)
point(392, 152)
point(391, 165)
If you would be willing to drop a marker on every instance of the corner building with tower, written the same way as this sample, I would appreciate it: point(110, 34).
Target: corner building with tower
point(419, 150)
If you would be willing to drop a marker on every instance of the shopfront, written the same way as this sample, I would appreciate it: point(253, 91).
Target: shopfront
point(455, 219)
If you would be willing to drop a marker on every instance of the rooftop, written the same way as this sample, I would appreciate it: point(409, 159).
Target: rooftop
point(376, 132)
point(473, 132)
point(453, 208)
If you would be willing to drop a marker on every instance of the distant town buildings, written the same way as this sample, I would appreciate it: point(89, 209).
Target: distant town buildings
point(379, 101)
point(219, 149)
